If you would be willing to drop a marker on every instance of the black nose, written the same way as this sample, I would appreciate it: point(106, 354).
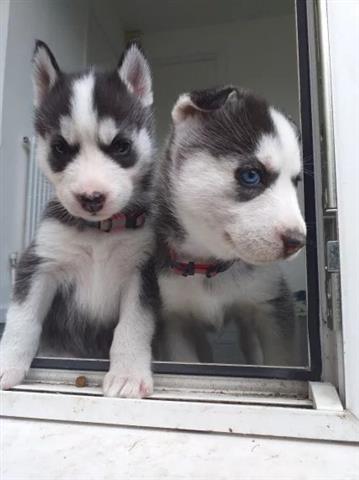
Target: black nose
point(92, 202)
point(293, 241)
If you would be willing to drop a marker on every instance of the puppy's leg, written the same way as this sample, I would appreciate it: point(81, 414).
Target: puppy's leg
point(179, 341)
point(23, 327)
point(131, 350)
point(248, 337)
point(184, 339)
point(279, 336)
point(271, 329)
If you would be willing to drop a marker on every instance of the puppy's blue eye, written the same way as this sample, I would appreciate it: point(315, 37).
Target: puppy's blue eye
point(250, 177)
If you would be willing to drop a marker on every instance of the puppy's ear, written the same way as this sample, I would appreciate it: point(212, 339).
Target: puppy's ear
point(135, 73)
point(208, 100)
point(45, 71)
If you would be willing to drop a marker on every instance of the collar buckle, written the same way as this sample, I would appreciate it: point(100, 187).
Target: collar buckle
point(105, 225)
point(120, 221)
point(191, 268)
point(135, 221)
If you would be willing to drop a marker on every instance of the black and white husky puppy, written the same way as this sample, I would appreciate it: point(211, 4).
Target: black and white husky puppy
point(227, 210)
point(79, 285)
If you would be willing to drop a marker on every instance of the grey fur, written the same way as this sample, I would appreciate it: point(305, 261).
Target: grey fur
point(54, 210)
point(28, 265)
point(232, 127)
point(67, 329)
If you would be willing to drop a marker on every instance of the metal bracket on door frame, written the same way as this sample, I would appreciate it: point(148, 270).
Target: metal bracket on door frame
point(333, 260)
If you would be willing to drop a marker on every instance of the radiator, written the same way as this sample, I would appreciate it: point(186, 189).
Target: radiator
point(38, 192)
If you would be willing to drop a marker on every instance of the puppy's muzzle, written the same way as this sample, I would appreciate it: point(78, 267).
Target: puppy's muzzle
point(93, 202)
point(293, 241)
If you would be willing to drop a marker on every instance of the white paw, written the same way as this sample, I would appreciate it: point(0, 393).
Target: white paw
point(118, 383)
point(9, 377)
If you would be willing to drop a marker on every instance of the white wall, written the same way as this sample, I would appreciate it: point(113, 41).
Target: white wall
point(63, 24)
point(257, 54)
point(105, 39)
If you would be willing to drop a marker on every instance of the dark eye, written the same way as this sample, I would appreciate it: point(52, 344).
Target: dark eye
point(60, 146)
point(250, 177)
point(119, 146)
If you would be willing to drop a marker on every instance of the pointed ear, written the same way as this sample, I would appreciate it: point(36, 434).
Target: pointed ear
point(188, 104)
point(135, 73)
point(45, 71)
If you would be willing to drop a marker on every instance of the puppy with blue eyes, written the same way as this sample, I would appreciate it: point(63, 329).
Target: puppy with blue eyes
point(227, 211)
point(79, 285)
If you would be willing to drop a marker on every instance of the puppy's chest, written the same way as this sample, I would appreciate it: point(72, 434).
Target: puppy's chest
point(211, 299)
point(203, 299)
point(97, 266)
point(98, 272)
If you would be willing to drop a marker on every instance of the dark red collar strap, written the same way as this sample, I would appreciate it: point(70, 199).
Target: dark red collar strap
point(120, 221)
point(191, 268)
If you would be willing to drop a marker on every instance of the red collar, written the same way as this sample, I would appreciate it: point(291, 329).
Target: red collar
point(120, 221)
point(191, 268)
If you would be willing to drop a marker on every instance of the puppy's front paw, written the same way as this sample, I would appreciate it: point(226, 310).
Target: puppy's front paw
point(9, 377)
point(118, 383)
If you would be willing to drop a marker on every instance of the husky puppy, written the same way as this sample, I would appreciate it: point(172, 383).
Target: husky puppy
point(79, 285)
point(227, 209)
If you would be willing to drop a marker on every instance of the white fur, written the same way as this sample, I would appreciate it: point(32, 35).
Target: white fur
point(67, 130)
point(23, 329)
point(107, 130)
point(143, 143)
point(93, 171)
point(183, 103)
point(131, 348)
point(84, 121)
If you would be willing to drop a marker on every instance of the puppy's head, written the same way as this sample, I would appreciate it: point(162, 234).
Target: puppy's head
point(235, 165)
point(94, 132)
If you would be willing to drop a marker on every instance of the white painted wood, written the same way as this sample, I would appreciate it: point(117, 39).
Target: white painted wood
point(34, 450)
point(324, 396)
point(343, 16)
point(197, 383)
point(183, 415)
point(181, 387)
point(332, 370)
point(176, 394)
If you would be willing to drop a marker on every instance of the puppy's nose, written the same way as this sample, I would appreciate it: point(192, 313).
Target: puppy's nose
point(292, 241)
point(92, 202)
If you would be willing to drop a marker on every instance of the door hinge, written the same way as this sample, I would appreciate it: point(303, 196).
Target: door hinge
point(333, 261)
